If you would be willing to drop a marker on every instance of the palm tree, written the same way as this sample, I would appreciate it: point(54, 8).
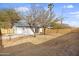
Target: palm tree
point(50, 6)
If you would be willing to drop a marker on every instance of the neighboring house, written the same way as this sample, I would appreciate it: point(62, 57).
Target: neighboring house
point(22, 27)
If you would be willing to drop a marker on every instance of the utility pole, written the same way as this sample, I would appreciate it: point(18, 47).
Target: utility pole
point(62, 16)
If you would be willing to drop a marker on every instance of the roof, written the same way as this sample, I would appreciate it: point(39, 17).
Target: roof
point(21, 23)
point(24, 23)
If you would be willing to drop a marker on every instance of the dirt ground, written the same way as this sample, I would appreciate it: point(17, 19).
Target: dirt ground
point(67, 45)
point(50, 34)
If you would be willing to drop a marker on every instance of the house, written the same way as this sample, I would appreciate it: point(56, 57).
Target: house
point(23, 28)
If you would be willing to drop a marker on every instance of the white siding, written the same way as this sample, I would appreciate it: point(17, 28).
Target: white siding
point(23, 31)
point(40, 30)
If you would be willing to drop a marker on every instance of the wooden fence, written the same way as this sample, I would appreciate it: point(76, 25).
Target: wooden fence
point(7, 31)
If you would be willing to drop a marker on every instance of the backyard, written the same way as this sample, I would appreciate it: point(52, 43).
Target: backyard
point(54, 44)
point(48, 29)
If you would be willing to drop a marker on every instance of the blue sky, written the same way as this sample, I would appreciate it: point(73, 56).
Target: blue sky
point(70, 11)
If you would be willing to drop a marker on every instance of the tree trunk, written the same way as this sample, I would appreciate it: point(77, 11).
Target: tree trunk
point(34, 34)
point(32, 29)
point(1, 39)
point(44, 31)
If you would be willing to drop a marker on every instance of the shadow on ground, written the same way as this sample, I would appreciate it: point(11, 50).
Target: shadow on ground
point(66, 45)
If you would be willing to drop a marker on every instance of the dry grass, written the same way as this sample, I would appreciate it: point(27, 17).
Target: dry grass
point(42, 45)
point(50, 34)
point(62, 31)
point(34, 40)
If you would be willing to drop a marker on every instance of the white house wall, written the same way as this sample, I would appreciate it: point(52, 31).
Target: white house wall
point(40, 30)
point(23, 31)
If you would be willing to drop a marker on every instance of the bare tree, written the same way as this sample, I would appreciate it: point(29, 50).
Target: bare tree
point(39, 17)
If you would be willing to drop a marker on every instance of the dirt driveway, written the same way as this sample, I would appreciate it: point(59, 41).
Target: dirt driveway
point(67, 44)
